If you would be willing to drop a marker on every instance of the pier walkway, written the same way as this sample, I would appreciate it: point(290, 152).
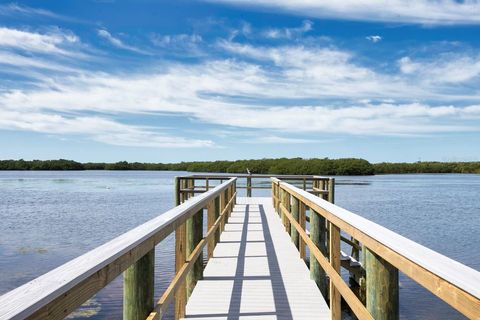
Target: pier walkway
point(246, 258)
point(256, 272)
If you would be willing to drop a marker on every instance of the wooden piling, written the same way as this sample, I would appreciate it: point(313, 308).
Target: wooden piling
point(180, 254)
point(216, 214)
point(302, 217)
point(334, 250)
point(295, 213)
point(318, 234)
point(210, 223)
point(382, 287)
point(287, 205)
point(194, 236)
point(249, 187)
point(138, 286)
point(331, 190)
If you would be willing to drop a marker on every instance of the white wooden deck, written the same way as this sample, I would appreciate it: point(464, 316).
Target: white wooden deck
point(256, 272)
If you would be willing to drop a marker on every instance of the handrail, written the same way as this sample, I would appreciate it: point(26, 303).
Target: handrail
point(311, 183)
point(60, 291)
point(255, 175)
point(451, 281)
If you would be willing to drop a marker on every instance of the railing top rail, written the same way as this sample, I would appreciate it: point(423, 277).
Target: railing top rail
point(266, 176)
point(28, 298)
point(457, 274)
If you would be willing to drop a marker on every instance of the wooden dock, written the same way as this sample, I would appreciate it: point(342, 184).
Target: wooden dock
point(256, 272)
point(256, 252)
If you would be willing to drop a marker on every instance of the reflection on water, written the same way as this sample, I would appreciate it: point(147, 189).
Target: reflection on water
point(48, 218)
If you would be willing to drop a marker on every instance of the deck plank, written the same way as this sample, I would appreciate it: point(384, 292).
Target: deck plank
point(256, 272)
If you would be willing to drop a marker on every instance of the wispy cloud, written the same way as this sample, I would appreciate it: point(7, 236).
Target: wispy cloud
point(374, 39)
point(103, 33)
point(289, 33)
point(443, 69)
point(53, 42)
point(432, 12)
point(252, 87)
point(97, 128)
point(14, 8)
point(168, 40)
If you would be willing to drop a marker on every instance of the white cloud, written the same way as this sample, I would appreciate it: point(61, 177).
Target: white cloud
point(103, 33)
point(444, 69)
point(14, 8)
point(167, 40)
point(289, 33)
point(374, 39)
point(99, 129)
point(319, 89)
point(433, 12)
point(25, 62)
point(53, 42)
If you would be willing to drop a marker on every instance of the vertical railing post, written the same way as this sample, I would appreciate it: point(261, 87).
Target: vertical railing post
point(222, 206)
point(296, 215)
point(180, 255)
point(282, 203)
point(318, 233)
point(249, 186)
point(288, 205)
point(138, 286)
point(274, 202)
point(216, 214)
point(210, 221)
point(303, 221)
point(382, 287)
point(335, 297)
point(331, 190)
point(194, 234)
point(177, 191)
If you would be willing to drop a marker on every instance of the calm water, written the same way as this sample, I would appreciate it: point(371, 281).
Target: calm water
point(48, 218)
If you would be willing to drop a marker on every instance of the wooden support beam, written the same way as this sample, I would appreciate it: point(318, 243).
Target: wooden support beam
point(287, 204)
point(138, 286)
point(194, 236)
point(335, 297)
point(210, 221)
point(180, 258)
point(177, 191)
point(295, 214)
point(331, 190)
point(216, 214)
point(382, 287)
point(318, 235)
point(302, 221)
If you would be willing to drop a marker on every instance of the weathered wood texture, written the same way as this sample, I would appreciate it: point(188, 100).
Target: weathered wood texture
point(318, 233)
point(59, 292)
point(138, 285)
point(256, 272)
point(296, 215)
point(456, 284)
point(194, 236)
point(382, 288)
point(334, 251)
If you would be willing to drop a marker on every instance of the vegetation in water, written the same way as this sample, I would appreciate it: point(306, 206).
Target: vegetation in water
point(347, 166)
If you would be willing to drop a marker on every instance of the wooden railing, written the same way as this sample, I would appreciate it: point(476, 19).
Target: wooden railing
point(59, 292)
point(386, 253)
point(199, 183)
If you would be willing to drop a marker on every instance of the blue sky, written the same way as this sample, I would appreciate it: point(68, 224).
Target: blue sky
point(166, 81)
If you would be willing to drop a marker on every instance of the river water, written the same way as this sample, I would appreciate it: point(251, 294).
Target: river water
point(48, 218)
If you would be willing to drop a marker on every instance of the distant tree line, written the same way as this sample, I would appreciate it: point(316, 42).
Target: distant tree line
point(347, 166)
point(427, 167)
